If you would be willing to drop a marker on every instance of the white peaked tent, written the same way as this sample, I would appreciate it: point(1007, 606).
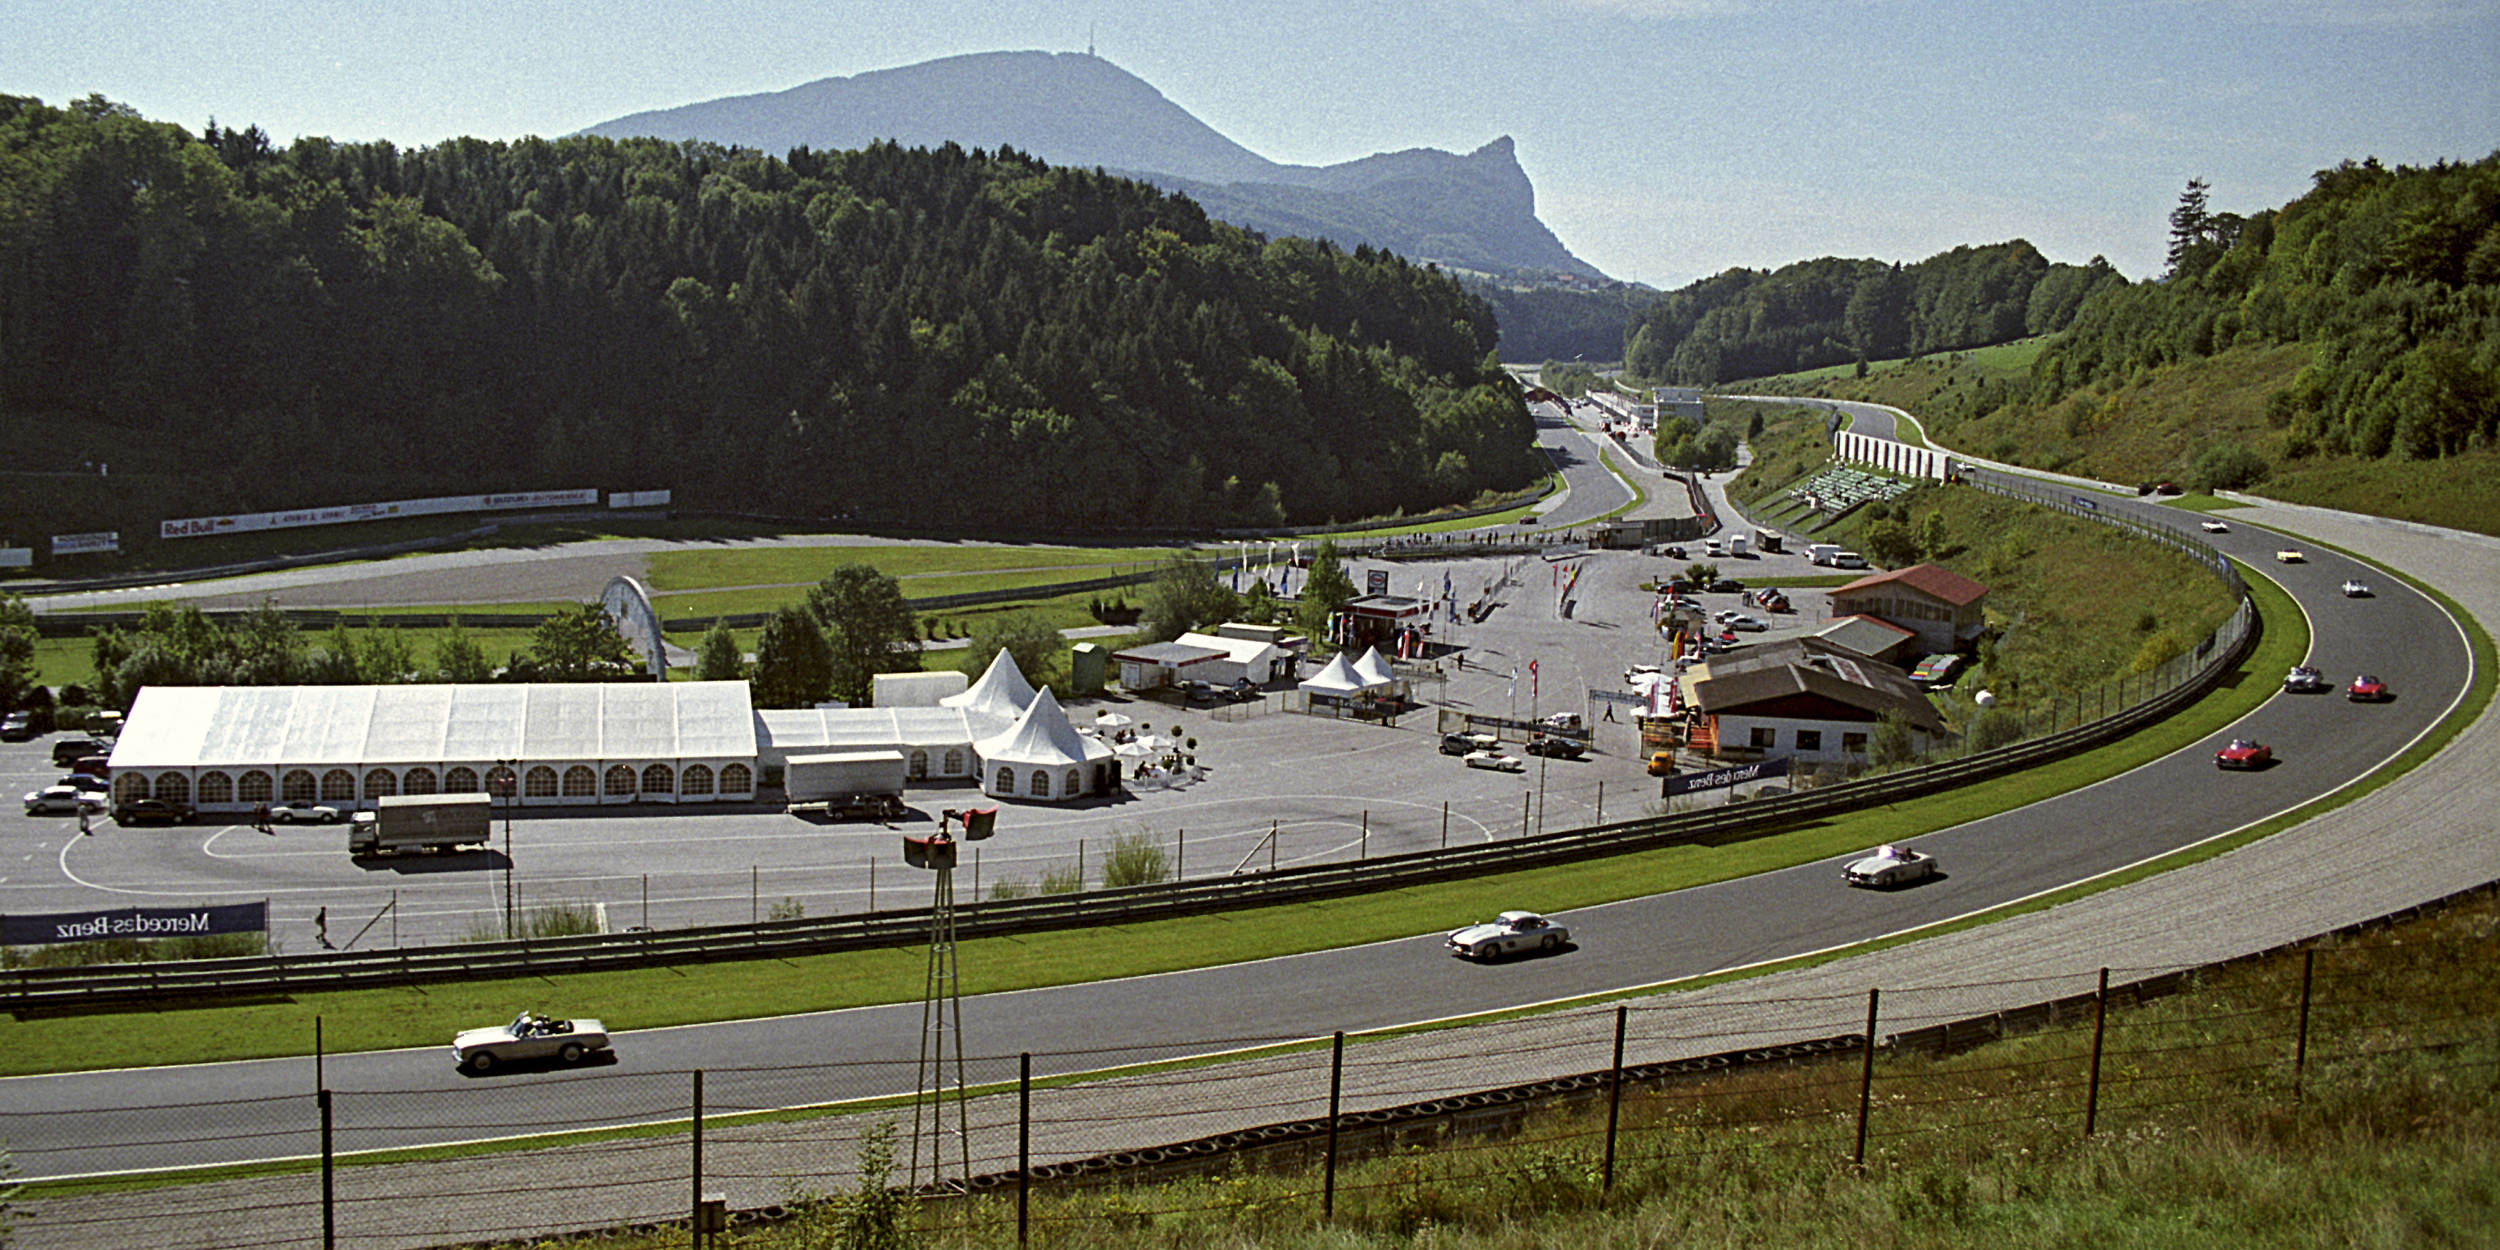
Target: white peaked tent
point(999, 697)
point(1374, 672)
point(1042, 756)
point(1338, 678)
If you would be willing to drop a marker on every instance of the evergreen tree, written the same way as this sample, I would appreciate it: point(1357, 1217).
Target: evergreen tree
point(793, 662)
point(718, 657)
point(1325, 591)
point(869, 627)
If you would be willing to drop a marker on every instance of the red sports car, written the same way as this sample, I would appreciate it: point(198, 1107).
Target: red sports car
point(2368, 689)
point(2244, 753)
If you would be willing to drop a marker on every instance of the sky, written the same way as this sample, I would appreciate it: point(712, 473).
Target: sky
point(1667, 139)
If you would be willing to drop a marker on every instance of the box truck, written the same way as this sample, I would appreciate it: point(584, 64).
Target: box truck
point(865, 784)
point(1822, 553)
point(1767, 542)
point(421, 822)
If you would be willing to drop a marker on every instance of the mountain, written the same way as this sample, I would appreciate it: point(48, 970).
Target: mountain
point(1474, 212)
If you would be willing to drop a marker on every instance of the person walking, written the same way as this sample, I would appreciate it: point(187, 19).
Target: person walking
point(84, 828)
point(321, 928)
point(260, 818)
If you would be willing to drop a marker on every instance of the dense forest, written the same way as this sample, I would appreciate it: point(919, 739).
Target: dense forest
point(1751, 323)
point(2391, 276)
point(933, 337)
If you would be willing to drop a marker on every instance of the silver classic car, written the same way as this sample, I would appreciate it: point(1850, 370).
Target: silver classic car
point(1891, 865)
point(529, 1036)
point(1507, 933)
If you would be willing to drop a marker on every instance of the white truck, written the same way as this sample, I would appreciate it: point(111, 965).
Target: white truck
point(421, 822)
point(1736, 546)
point(865, 784)
point(1822, 553)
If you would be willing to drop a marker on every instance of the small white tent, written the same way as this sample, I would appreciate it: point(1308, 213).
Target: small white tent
point(1374, 672)
point(1338, 678)
point(1042, 756)
point(999, 697)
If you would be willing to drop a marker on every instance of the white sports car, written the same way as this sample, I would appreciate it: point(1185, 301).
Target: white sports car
point(2356, 589)
point(64, 799)
point(303, 812)
point(1508, 933)
point(2216, 527)
point(1891, 865)
point(529, 1036)
point(1496, 761)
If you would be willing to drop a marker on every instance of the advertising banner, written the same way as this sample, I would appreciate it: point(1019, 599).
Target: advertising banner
point(106, 924)
point(17, 557)
point(1722, 778)
point(638, 499)
point(196, 527)
point(82, 544)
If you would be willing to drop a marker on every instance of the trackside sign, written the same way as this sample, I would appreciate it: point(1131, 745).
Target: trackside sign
point(128, 923)
point(1722, 778)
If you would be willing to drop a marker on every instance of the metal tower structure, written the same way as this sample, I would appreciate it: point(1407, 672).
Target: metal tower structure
point(939, 1088)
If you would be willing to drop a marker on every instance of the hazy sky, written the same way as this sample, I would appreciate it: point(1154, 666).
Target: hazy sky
point(1668, 139)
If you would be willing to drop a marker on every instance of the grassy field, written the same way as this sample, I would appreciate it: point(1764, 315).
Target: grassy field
point(379, 1019)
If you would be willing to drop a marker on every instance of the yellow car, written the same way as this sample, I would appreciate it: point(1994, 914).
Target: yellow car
point(2290, 555)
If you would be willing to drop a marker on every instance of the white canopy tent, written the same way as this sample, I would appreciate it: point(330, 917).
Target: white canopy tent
point(1374, 671)
point(1042, 756)
point(1338, 677)
point(1002, 694)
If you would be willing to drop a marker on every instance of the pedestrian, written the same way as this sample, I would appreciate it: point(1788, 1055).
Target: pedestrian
point(83, 827)
point(260, 818)
point(321, 928)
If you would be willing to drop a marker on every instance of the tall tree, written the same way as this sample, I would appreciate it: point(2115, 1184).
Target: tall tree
point(1326, 590)
point(718, 657)
point(459, 658)
point(871, 629)
point(793, 663)
point(2189, 223)
point(1184, 595)
point(579, 643)
point(1026, 636)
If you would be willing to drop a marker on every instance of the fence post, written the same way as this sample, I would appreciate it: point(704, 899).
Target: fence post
point(1180, 857)
point(694, 1213)
point(1364, 849)
point(329, 1192)
point(1080, 865)
point(2100, 1019)
point(1445, 824)
point(1614, 1102)
point(2300, 1047)
point(1524, 797)
point(1866, 1076)
point(1336, 1086)
point(1601, 802)
point(755, 893)
point(646, 902)
point(1024, 1145)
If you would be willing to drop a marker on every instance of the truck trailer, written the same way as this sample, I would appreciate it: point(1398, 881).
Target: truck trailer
point(422, 822)
point(865, 784)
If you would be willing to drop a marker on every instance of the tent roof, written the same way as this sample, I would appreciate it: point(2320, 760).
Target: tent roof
point(1002, 693)
point(871, 728)
point(1338, 678)
point(1041, 736)
point(216, 726)
point(1374, 669)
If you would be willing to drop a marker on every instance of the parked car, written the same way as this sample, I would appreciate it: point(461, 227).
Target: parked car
point(2167, 488)
point(529, 1036)
point(1562, 720)
point(1890, 865)
point(1726, 586)
point(302, 812)
point(68, 799)
point(1632, 675)
point(17, 727)
point(2244, 753)
point(2290, 555)
point(2304, 680)
point(1508, 933)
point(1243, 691)
point(2368, 689)
point(68, 751)
point(1495, 760)
point(1661, 763)
point(1556, 748)
point(2216, 527)
point(2355, 588)
point(1462, 744)
point(85, 781)
point(1749, 624)
point(151, 812)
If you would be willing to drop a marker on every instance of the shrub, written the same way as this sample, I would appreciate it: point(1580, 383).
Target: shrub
point(1994, 727)
point(1135, 859)
point(1011, 889)
point(1062, 881)
point(2226, 466)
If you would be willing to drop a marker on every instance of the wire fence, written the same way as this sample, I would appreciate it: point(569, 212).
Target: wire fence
point(1270, 1127)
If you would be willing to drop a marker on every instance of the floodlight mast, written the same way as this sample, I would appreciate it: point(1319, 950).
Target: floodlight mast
point(941, 1071)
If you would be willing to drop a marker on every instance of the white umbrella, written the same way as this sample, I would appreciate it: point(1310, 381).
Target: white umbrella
point(1112, 720)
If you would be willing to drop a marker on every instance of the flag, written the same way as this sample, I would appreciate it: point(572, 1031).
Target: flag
point(1513, 691)
point(1531, 681)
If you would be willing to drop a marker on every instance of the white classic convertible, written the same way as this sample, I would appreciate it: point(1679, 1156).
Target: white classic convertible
point(1891, 865)
point(1507, 933)
point(529, 1036)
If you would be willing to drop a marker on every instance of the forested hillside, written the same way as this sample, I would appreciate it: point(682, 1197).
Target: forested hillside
point(1750, 323)
point(934, 337)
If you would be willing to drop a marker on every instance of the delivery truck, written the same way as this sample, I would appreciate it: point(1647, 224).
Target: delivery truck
point(857, 784)
point(421, 822)
point(1822, 553)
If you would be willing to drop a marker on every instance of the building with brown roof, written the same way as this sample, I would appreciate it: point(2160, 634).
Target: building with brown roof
point(1941, 606)
point(1803, 698)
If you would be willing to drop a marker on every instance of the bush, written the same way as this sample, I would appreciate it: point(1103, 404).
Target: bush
point(1135, 859)
point(1062, 881)
point(2226, 466)
point(1994, 727)
point(1011, 889)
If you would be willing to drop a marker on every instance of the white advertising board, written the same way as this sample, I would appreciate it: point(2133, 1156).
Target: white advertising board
point(17, 557)
point(82, 544)
point(638, 499)
point(196, 527)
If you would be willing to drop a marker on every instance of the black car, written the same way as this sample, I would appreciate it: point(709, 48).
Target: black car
point(151, 812)
point(1243, 691)
point(1725, 586)
point(69, 751)
point(1556, 748)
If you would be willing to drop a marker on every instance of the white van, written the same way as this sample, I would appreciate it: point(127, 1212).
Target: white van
point(1713, 547)
point(1848, 560)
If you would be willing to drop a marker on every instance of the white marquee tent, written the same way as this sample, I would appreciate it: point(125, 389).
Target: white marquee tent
point(1042, 756)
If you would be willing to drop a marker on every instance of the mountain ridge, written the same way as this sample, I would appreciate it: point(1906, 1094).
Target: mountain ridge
point(1475, 211)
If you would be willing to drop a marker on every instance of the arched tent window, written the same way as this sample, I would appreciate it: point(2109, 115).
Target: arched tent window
point(130, 786)
point(620, 780)
point(254, 786)
point(1006, 780)
point(173, 787)
point(1041, 783)
point(539, 782)
point(920, 766)
point(580, 782)
point(420, 780)
point(298, 786)
point(216, 787)
point(461, 779)
point(659, 779)
point(737, 779)
point(380, 783)
point(338, 785)
point(698, 779)
point(954, 763)
point(1075, 784)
